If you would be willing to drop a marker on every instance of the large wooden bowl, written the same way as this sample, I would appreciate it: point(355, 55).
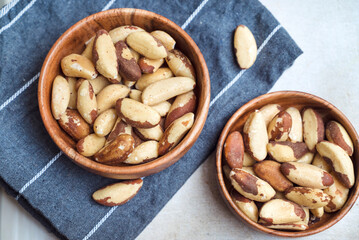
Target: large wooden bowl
point(286, 99)
point(73, 41)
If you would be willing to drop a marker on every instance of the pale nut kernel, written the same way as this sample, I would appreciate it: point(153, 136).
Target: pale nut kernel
point(162, 108)
point(165, 89)
point(339, 160)
point(149, 65)
point(338, 196)
point(180, 65)
point(296, 132)
point(116, 151)
point(135, 54)
point(251, 186)
point(147, 134)
point(247, 206)
point(117, 193)
point(60, 96)
point(306, 175)
point(75, 65)
point(280, 126)
point(104, 55)
point(319, 162)
point(86, 102)
point(255, 136)
point(121, 33)
point(90, 145)
point(249, 170)
point(137, 114)
point(146, 45)
point(279, 211)
point(313, 128)
point(74, 125)
point(135, 95)
point(286, 151)
point(269, 111)
point(73, 92)
point(234, 150)
point(307, 197)
point(248, 161)
point(148, 79)
point(245, 47)
point(99, 83)
point(88, 49)
point(295, 226)
point(108, 96)
point(317, 212)
point(337, 134)
point(175, 132)
point(144, 152)
point(165, 39)
point(183, 104)
point(306, 158)
point(128, 83)
point(105, 122)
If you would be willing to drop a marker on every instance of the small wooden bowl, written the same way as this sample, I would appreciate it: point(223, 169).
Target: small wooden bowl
point(286, 99)
point(73, 41)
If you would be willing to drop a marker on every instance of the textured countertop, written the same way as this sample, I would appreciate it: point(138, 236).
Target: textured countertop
point(328, 33)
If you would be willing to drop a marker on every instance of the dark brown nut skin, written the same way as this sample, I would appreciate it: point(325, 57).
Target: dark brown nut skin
point(183, 104)
point(118, 129)
point(74, 124)
point(270, 171)
point(280, 126)
point(337, 134)
point(234, 150)
point(116, 151)
point(127, 64)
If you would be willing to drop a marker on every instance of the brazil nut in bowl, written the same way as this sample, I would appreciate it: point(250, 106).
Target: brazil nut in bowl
point(124, 93)
point(287, 164)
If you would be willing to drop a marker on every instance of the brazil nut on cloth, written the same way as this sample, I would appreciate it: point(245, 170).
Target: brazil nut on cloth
point(56, 191)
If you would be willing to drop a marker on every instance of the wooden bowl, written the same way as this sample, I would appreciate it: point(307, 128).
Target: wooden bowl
point(286, 99)
point(73, 41)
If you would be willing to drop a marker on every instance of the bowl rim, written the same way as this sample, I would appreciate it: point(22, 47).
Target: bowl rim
point(141, 169)
point(226, 195)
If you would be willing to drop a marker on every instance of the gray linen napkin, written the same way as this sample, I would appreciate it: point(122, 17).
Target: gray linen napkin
point(56, 191)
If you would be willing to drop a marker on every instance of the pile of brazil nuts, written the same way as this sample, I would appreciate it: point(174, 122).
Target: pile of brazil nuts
point(128, 98)
point(283, 172)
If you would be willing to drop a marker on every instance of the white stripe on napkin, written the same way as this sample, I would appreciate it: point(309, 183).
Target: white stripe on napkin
point(8, 7)
point(235, 79)
point(38, 174)
point(108, 5)
point(194, 14)
point(94, 229)
point(32, 80)
point(18, 16)
point(23, 88)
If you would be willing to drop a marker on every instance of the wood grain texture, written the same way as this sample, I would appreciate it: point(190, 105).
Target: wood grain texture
point(286, 99)
point(73, 41)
